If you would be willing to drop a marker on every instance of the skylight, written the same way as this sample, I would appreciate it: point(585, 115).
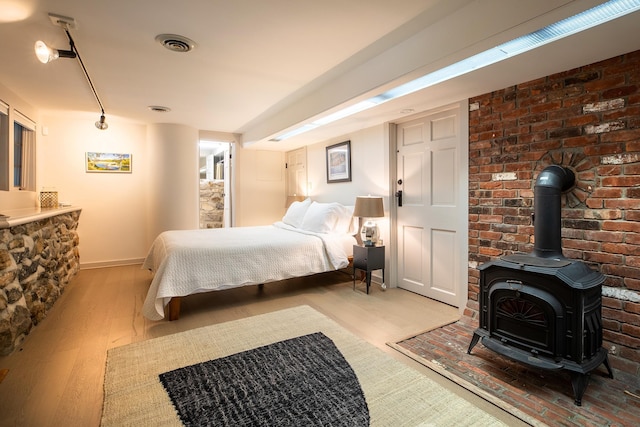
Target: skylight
point(590, 18)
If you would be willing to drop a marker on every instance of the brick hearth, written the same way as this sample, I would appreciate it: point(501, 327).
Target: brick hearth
point(544, 395)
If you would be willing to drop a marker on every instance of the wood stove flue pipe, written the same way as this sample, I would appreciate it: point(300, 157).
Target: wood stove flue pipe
point(547, 217)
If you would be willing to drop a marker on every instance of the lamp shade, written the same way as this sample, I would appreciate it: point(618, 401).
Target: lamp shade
point(368, 207)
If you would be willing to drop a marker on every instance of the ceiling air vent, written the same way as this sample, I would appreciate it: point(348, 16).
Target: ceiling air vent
point(159, 108)
point(176, 43)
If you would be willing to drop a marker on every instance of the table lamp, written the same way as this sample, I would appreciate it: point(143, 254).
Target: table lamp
point(369, 207)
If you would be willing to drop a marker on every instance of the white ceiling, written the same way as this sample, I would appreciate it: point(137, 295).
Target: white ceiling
point(262, 66)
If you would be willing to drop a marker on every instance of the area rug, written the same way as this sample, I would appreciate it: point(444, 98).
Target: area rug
point(307, 381)
point(395, 394)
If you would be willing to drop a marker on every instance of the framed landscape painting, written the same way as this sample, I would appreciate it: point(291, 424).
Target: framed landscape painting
point(108, 162)
point(339, 162)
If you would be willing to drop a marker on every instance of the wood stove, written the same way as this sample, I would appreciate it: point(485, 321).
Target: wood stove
point(543, 309)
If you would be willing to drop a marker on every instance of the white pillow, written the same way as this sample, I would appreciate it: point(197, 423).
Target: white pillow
point(321, 217)
point(295, 213)
point(346, 221)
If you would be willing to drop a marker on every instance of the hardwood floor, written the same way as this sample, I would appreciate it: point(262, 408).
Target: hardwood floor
point(56, 376)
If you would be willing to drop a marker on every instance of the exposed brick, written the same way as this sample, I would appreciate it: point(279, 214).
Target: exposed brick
point(602, 258)
point(622, 339)
point(620, 270)
point(632, 284)
point(621, 181)
point(632, 307)
point(623, 204)
point(587, 119)
point(619, 91)
point(610, 104)
point(621, 248)
point(631, 330)
point(612, 303)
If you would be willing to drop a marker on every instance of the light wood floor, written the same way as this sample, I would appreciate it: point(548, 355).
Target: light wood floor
point(56, 376)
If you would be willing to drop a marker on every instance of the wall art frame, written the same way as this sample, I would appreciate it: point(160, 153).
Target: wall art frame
point(339, 162)
point(108, 162)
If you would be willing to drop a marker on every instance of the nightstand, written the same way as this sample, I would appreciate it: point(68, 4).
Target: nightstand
point(368, 259)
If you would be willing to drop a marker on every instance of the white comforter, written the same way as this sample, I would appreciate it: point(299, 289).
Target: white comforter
point(186, 262)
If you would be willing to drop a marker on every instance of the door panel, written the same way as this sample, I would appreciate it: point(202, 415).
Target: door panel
point(297, 172)
point(428, 221)
point(412, 261)
point(442, 261)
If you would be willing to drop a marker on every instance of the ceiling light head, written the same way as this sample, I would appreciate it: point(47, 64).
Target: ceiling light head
point(176, 43)
point(45, 54)
point(102, 124)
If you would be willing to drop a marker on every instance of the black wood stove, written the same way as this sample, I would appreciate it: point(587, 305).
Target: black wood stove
point(543, 309)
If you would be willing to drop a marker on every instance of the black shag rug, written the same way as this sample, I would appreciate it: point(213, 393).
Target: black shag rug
point(303, 381)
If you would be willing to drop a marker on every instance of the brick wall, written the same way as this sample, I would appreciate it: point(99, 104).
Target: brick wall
point(587, 119)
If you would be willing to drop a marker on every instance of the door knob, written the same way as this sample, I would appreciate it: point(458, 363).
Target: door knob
point(399, 196)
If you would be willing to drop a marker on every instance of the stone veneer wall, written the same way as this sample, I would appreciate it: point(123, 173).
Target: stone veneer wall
point(586, 119)
point(37, 261)
point(211, 204)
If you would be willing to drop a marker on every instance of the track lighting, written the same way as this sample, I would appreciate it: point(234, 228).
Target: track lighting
point(45, 54)
point(101, 124)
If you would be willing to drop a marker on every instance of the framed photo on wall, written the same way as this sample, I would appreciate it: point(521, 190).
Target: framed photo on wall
point(108, 162)
point(339, 162)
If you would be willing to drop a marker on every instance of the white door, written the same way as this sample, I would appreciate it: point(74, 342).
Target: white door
point(297, 172)
point(432, 221)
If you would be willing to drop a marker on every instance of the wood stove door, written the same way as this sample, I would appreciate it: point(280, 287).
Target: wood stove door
point(526, 317)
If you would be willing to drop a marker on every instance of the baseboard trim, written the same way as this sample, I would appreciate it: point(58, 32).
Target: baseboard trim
point(112, 263)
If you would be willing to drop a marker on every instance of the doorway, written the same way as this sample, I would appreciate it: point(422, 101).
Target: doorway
point(296, 167)
point(431, 187)
point(215, 184)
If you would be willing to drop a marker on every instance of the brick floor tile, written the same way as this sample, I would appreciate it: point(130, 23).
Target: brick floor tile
point(544, 395)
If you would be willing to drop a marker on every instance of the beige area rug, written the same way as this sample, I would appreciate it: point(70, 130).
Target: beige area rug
point(437, 367)
point(396, 394)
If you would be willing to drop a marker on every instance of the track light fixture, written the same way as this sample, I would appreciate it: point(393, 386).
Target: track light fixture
point(45, 54)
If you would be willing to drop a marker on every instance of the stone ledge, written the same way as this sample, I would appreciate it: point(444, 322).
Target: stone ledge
point(12, 217)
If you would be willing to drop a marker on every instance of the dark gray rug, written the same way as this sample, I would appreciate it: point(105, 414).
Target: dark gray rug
point(302, 381)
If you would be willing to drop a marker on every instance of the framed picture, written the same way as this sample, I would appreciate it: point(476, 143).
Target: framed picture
point(339, 162)
point(108, 162)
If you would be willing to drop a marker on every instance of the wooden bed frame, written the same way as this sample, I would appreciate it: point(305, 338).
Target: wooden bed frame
point(173, 308)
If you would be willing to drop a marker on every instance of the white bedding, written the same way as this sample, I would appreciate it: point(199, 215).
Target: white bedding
point(186, 262)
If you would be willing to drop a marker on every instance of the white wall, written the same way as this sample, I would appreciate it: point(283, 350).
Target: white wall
point(260, 186)
point(123, 213)
point(173, 179)
point(369, 171)
point(112, 222)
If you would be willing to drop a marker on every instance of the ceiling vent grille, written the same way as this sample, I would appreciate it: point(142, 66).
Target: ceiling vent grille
point(159, 108)
point(176, 43)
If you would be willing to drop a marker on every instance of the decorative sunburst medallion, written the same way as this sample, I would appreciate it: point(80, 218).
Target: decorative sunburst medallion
point(582, 167)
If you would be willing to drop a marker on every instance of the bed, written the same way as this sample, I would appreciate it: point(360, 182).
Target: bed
point(311, 238)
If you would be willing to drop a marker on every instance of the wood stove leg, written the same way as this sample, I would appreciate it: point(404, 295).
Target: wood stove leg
point(606, 364)
point(174, 308)
point(579, 383)
point(474, 341)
